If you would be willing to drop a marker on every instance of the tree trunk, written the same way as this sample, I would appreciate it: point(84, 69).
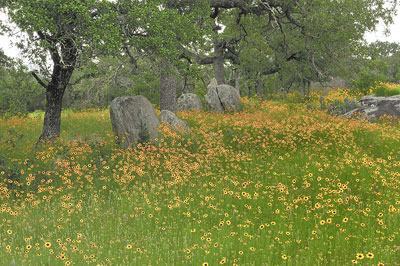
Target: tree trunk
point(219, 70)
point(237, 79)
point(64, 64)
point(259, 87)
point(168, 83)
point(306, 88)
point(52, 117)
point(54, 96)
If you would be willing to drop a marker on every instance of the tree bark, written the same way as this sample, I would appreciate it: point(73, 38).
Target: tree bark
point(219, 70)
point(52, 117)
point(168, 83)
point(64, 60)
point(54, 96)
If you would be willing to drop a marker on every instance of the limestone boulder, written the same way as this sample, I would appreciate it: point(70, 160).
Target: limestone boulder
point(212, 98)
point(222, 98)
point(189, 101)
point(374, 107)
point(171, 119)
point(133, 120)
point(229, 97)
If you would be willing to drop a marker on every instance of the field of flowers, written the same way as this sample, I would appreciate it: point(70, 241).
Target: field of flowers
point(276, 184)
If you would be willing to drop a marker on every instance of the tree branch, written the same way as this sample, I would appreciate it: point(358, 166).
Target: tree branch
point(277, 68)
point(39, 80)
point(132, 59)
point(215, 13)
point(199, 60)
point(294, 21)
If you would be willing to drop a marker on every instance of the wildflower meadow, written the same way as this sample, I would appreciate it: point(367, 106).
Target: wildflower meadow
point(276, 184)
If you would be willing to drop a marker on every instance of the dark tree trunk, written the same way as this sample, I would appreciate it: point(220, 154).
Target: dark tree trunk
point(54, 96)
point(52, 117)
point(219, 70)
point(64, 60)
point(259, 87)
point(168, 83)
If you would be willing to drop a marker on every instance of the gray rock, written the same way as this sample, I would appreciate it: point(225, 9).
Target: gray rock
point(222, 98)
point(374, 107)
point(133, 120)
point(171, 119)
point(189, 101)
point(230, 98)
point(212, 98)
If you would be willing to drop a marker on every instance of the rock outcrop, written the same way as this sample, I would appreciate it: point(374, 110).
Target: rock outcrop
point(374, 107)
point(189, 101)
point(171, 119)
point(212, 97)
point(133, 120)
point(222, 98)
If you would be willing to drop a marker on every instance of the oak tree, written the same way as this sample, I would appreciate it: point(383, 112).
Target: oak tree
point(66, 32)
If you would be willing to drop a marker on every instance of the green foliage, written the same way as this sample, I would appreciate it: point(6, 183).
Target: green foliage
point(19, 92)
point(316, 48)
point(392, 91)
point(371, 77)
point(385, 91)
point(160, 28)
point(338, 108)
point(380, 91)
point(49, 24)
point(144, 134)
point(97, 83)
point(390, 54)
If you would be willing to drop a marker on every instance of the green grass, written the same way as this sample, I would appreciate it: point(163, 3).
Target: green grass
point(387, 90)
point(281, 185)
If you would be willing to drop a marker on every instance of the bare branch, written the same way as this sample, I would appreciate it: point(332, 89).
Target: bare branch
point(85, 76)
point(39, 80)
point(277, 68)
point(132, 59)
point(199, 60)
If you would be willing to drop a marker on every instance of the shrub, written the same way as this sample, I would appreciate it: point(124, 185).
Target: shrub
point(380, 91)
point(144, 134)
point(387, 91)
point(392, 91)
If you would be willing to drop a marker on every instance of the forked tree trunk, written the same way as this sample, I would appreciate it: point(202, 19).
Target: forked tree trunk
point(168, 83)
